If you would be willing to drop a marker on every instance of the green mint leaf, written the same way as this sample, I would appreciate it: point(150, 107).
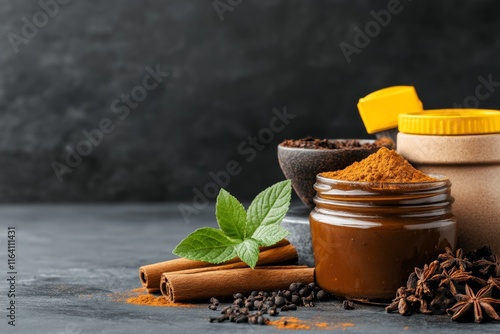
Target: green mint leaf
point(248, 252)
point(241, 233)
point(268, 235)
point(231, 215)
point(207, 244)
point(269, 207)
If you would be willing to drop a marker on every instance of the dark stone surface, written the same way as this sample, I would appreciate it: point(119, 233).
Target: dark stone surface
point(225, 79)
point(72, 259)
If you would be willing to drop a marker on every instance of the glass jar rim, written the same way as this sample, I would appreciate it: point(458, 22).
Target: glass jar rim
point(441, 181)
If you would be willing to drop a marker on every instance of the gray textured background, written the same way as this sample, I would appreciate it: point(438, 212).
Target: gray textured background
point(225, 79)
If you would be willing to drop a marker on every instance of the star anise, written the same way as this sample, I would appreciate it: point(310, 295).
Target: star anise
point(402, 302)
point(449, 278)
point(479, 253)
point(411, 282)
point(424, 276)
point(424, 306)
point(479, 303)
point(441, 301)
point(494, 282)
point(454, 260)
point(489, 266)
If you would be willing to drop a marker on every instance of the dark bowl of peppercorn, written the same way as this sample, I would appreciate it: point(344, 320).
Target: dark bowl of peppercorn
point(302, 159)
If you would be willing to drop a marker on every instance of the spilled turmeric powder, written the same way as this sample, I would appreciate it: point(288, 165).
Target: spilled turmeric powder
point(289, 323)
point(295, 323)
point(140, 296)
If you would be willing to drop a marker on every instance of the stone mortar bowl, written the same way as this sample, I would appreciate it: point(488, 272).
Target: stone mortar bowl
point(301, 165)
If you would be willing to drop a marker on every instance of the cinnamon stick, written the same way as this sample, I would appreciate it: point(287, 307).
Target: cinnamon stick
point(201, 284)
point(282, 253)
point(272, 258)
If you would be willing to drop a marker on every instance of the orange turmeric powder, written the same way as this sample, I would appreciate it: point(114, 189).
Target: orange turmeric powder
point(152, 300)
point(140, 296)
point(289, 323)
point(295, 323)
point(383, 166)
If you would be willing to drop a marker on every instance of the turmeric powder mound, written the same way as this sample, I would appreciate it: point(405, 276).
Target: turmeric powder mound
point(383, 166)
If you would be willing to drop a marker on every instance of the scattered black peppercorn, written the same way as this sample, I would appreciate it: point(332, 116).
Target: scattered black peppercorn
point(239, 302)
point(280, 301)
point(252, 309)
point(294, 287)
point(273, 312)
point(304, 292)
point(238, 296)
point(257, 304)
point(241, 318)
point(296, 299)
point(321, 295)
point(348, 304)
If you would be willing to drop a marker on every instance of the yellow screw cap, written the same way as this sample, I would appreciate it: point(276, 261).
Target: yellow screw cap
point(449, 122)
point(379, 110)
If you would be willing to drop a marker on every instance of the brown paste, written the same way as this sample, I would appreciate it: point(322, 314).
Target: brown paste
point(372, 262)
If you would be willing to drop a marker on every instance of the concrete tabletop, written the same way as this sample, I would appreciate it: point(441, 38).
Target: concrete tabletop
point(71, 259)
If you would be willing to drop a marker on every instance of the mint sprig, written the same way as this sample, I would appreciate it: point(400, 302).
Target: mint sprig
point(241, 232)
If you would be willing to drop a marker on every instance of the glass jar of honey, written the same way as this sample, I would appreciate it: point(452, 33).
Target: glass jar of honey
point(368, 237)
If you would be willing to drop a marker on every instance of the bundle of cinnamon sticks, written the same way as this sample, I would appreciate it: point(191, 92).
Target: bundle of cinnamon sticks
point(182, 280)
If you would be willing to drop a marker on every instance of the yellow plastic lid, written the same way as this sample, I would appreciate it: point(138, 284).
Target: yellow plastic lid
point(380, 110)
point(449, 122)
